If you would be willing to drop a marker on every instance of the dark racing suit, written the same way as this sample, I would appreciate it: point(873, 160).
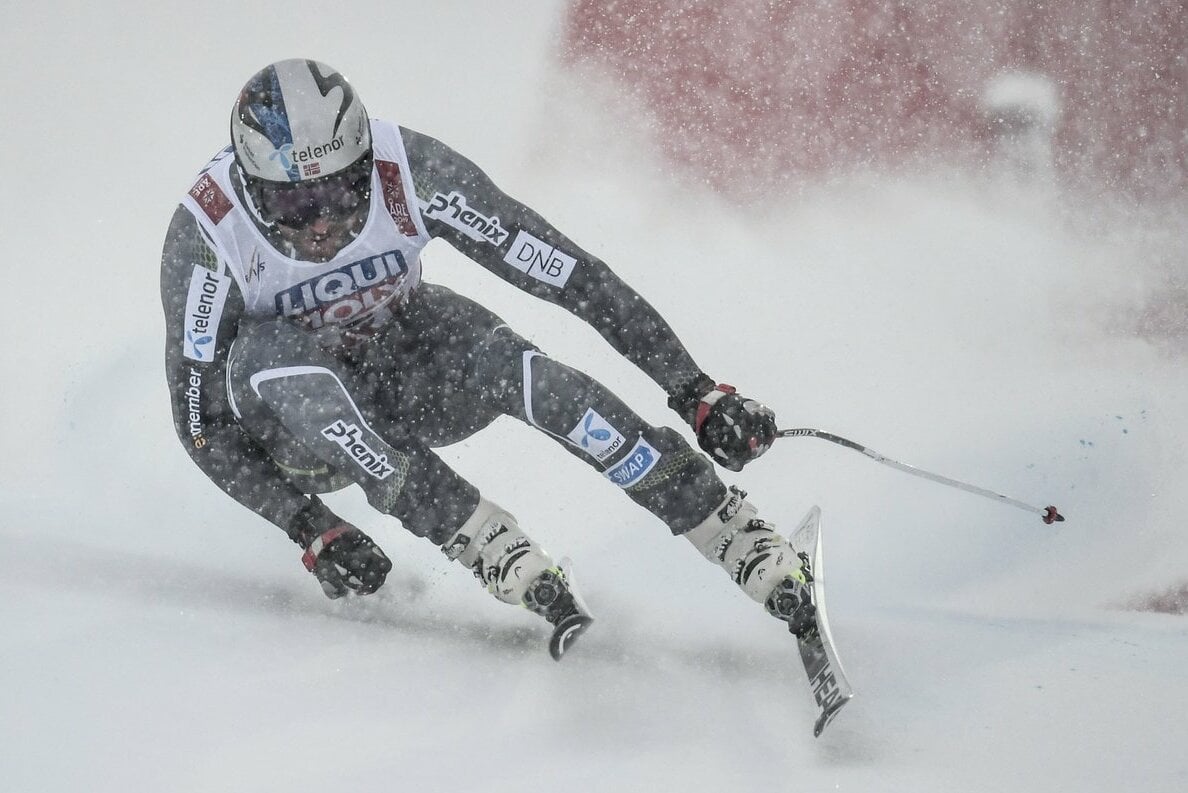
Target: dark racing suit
point(273, 413)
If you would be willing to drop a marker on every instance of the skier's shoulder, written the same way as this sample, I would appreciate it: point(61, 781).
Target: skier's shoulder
point(430, 154)
point(185, 240)
point(210, 191)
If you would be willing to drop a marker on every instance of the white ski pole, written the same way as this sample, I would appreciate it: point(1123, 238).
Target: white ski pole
point(1049, 513)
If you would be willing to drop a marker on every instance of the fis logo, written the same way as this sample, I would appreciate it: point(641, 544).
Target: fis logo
point(204, 309)
point(540, 260)
point(346, 294)
point(639, 462)
point(452, 210)
point(596, 436)
point(255, 268)
point(349, 437)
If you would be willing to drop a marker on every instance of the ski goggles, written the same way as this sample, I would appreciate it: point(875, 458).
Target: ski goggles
point(298, 204)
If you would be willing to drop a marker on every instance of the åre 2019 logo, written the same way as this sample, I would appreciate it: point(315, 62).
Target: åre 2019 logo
point(344, 294)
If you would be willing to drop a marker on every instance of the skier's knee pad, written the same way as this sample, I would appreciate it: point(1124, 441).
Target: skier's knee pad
point(503, 558)
point(748, 549)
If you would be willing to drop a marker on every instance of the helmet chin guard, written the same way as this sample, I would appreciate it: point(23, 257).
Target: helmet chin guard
point(298, 120)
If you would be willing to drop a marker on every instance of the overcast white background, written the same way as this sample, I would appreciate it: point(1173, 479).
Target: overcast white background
point(157, 636)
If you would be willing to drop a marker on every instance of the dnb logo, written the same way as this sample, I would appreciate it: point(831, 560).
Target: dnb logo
point(535, 257)
point(639, 462)
point(347, 294)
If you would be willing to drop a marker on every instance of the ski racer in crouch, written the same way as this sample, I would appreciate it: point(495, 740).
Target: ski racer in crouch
point(304, 352)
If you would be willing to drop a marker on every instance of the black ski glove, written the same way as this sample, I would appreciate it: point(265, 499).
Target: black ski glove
point(339, 555)
point(733, 429)
point(345, 559)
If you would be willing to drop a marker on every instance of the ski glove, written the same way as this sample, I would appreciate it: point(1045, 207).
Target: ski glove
point(733, 429)
point(345, 559)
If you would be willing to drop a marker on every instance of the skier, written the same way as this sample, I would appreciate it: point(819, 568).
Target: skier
point(304, 352)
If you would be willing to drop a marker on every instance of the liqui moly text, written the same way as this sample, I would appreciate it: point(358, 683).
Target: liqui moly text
point(347, 294)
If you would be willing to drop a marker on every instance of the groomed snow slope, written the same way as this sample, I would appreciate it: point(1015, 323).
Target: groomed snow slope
point(157, 637)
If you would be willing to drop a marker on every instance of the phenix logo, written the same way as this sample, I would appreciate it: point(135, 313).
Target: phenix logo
point(346, 294)
point(452, 210)
point(349, 437)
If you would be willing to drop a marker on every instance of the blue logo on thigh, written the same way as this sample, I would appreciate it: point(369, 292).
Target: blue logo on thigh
point(639, 462)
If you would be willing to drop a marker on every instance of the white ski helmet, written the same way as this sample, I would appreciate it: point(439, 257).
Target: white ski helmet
point(298, 120)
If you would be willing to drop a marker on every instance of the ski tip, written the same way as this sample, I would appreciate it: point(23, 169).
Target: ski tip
point(566, 632)
point(809, 523)
point(827, 716)
point(1051, 515)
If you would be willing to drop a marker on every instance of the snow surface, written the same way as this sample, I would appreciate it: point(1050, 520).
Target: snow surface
point(157, 637)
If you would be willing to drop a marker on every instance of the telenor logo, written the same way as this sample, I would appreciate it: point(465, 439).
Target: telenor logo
point(204, 309)
point(596, 436)
point(639, 462)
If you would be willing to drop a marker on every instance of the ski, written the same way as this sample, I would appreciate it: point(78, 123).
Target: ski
point(567, 629)
point(827, 680)
point(565, 632)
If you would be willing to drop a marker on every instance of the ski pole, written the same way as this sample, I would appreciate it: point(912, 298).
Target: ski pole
point(1049, 513)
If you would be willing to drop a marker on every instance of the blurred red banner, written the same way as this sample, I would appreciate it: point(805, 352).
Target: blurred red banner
point(750, 94)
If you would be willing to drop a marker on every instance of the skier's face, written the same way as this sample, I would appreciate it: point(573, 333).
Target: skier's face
point(318, 217)
point(323, 236)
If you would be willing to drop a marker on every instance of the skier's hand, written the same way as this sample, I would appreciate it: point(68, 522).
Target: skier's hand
point(345, 559)
point(732, 428)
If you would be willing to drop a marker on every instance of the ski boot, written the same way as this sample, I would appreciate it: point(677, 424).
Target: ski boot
point(516, 570)
point(552, 596)
point(761, 562)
